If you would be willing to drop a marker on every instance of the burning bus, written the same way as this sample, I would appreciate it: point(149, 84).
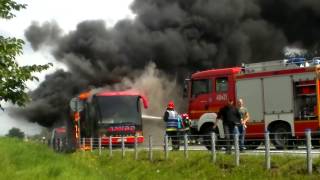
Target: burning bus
point(112, 116)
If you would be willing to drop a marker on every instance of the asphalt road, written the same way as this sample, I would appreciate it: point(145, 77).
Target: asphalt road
point(155, 127)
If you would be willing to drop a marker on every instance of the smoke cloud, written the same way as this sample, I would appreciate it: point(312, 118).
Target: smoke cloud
point(159, 88)
point(170, 40)
point(47, 34)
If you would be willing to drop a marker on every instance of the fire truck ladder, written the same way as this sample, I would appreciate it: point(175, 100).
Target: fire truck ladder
point(276, 65)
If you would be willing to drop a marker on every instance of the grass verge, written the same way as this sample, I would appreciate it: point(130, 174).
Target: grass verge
point(29, 160)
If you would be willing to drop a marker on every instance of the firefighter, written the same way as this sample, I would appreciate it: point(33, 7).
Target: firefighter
point(173, 124)
point(186, 123)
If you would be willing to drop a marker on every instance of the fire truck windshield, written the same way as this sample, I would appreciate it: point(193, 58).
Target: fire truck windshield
point(118, 109)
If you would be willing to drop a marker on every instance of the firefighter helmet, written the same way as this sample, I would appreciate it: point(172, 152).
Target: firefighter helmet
point(171, 105)
point(185, 116)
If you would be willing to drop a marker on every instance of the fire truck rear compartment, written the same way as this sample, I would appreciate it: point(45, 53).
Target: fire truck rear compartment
point(285, 104)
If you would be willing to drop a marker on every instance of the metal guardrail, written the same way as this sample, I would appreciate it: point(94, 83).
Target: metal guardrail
point(212, 143)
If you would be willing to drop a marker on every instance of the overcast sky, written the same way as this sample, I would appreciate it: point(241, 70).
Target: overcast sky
point(67, 13)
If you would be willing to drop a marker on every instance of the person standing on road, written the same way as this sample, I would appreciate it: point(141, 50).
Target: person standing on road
point(173, 124)
point(230, 116)
point(244, 119)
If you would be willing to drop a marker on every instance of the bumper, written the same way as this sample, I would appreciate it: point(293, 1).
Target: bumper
point(118, 139)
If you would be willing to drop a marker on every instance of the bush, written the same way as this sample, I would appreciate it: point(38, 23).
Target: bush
point(15, 132)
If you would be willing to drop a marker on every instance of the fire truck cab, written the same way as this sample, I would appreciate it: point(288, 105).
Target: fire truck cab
point(282, 97)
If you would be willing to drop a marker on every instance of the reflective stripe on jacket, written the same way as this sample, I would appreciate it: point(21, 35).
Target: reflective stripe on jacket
point(173, 121)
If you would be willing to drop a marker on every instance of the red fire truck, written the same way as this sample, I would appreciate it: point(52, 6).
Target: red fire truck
point(105, 114)
point(282, 97)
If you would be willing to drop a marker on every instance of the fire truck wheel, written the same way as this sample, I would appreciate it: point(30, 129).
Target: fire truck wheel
point(281, 137)
point(316, 143)
point(206, 131)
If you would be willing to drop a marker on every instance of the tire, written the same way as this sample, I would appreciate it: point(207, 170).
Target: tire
point(207, 136)
point(252, 144)
point(316, 143)
point(281, 137)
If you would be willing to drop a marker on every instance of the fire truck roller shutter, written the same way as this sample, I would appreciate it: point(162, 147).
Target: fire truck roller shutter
point(279, 112)
point(278, 95)
point(250, 90)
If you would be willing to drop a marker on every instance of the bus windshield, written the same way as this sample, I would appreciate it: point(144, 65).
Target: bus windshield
point(118, 109)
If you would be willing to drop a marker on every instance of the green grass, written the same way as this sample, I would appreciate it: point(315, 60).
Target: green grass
point(29, 160)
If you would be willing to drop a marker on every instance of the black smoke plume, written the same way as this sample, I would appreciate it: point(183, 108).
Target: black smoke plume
point(178, 36)
point(47, 34)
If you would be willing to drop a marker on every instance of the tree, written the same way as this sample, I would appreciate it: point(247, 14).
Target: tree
point(12, 76)
point(15, 132)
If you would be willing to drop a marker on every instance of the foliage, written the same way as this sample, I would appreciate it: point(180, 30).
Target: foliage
point(6, 6)
point(15, 132)
point(12, 76)
point(29, 160)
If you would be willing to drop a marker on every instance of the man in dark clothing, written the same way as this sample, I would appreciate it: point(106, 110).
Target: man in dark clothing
point(231, 117)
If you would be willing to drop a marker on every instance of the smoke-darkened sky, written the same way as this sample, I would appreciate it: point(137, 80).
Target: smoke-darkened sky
point(178, 36)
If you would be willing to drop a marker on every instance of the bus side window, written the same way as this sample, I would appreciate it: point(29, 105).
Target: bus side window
point(222, 84)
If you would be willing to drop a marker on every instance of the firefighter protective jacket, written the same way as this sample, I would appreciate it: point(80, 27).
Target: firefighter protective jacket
point(172, 119)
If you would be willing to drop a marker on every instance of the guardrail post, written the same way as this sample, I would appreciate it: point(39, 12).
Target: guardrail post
point(54, 144)
point(213, 147)
point(91, 144)
point(267, 151)
point(110, 146)
point(83, 143)
point(236, 146)
point(99, 145)
point(122, 146)
point(135, 147)
point(186, 146)
point(309, 156)
point(166, 146)
point(58, 144)
point(150, 148)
